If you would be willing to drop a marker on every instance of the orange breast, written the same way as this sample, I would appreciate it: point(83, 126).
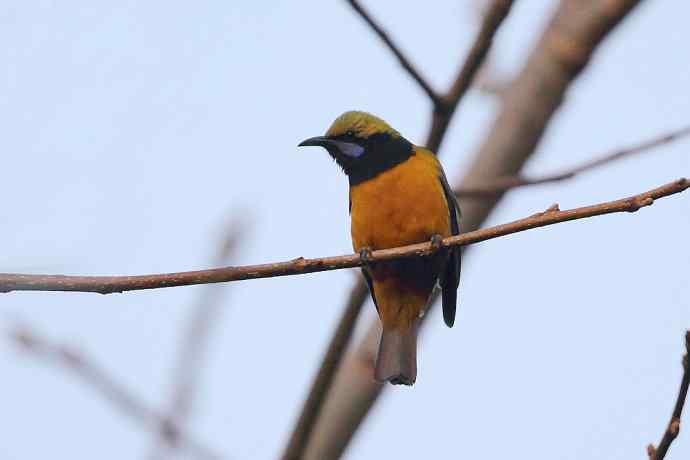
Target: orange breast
point(401, 206)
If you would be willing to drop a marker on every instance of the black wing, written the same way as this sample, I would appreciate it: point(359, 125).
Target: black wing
point(367, 277)
point(450, 278)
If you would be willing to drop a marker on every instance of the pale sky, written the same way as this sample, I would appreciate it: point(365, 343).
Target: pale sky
point(132, 131)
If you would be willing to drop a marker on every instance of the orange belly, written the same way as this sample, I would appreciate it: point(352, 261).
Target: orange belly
point(401, 206)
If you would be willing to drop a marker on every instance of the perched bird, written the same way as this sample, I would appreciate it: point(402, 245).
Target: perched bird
point(399, 195)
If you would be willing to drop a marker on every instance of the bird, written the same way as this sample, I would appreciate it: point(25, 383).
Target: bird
point(398, 195)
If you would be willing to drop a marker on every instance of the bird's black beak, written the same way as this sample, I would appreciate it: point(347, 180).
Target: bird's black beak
point(336, 148)
point(321, 141)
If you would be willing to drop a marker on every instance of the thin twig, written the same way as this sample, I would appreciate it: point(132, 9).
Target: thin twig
point(109, 284)
point(404, 61)
point(673, 427)
point(494, 17)
point(495, 14)
point(502, 184)
point(197, 335)
point(78, 364)
point(489, 79)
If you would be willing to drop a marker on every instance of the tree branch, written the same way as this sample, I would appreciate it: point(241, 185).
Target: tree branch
point(76, 363)
point(495, 14)
point(404, 62)
point(673, 428)
point(494, 17)
point(505, 183)
point(109, 284)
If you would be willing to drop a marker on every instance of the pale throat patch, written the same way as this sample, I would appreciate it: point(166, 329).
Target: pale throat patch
point(349, 148)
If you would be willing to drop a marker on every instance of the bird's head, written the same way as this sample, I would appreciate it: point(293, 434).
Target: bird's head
point(363, 145)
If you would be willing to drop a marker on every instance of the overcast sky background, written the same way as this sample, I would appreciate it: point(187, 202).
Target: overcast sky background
point(132, 131)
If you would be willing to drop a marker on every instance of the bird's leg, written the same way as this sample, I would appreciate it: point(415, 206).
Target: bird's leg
point(365, 255)
point(436, 242)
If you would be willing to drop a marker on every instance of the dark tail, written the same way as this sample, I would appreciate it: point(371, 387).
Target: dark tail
point(397, 358)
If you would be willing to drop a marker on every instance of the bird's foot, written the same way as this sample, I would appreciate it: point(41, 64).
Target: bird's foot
point(365, 255)
point(436, 242)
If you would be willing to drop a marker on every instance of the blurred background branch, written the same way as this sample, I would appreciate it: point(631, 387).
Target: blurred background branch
point(75, 362)
point(186, 377)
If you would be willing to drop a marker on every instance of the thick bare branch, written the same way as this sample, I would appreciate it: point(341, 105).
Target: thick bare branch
point(673, 428)
point(78, 364)
point(324, 377)
point(404, 61)
point(108, 284)
point(502, 184)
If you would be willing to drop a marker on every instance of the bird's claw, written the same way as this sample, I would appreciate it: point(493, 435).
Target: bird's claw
point(365, 255)
point(436, 242)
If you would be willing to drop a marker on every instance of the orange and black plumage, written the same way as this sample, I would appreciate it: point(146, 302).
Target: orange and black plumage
point(399, 195)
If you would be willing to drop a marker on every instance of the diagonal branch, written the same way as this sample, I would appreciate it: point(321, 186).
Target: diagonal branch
point(658, 453)
point(404, 62)
point(495, 14)
point(109, 284)
point(502, 184)
point(76, 363)
point(322, 381)
point(442, 115)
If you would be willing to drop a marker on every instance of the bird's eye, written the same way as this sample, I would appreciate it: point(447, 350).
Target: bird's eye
point(350, 133)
